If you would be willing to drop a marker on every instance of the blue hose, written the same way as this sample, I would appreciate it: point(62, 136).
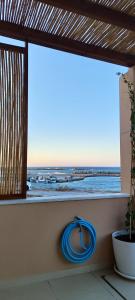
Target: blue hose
point(86, 251)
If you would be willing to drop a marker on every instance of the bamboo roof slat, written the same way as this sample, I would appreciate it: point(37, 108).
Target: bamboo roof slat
point(127, 6)
point(59, 19)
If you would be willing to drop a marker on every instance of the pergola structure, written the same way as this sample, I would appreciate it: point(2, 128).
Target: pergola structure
point(100, 29)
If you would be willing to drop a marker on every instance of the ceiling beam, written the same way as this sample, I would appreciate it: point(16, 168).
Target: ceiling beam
point(64, 44)
point(95, 11)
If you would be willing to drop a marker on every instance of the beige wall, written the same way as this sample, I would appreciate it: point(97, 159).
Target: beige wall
point(125, 131)
point(29, 234)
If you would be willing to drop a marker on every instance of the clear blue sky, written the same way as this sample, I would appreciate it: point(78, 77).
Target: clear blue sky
point(73, 110)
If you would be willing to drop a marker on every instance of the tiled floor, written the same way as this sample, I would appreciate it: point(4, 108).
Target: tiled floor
point(88, 286)
point(125, 287)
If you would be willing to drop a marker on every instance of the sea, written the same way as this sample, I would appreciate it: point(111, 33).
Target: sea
point(95, 179)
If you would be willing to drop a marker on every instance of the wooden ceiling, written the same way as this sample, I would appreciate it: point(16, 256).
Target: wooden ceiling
point(100, 29)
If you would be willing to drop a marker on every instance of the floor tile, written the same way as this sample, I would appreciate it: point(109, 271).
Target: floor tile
point(79, 287)
point(99, 275)
point(39, 291)
point(124, 286)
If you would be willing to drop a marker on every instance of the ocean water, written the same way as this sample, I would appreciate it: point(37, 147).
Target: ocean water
point(92, 184)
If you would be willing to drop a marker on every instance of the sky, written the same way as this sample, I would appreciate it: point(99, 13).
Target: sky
point(73, 110)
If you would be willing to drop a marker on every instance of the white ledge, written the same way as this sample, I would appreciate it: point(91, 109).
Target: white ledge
point(64, 197)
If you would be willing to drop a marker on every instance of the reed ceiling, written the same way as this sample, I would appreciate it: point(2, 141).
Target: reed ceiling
point(101, 29)
point(127, 6)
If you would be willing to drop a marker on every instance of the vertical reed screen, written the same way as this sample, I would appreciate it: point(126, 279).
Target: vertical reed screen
point(13, 123)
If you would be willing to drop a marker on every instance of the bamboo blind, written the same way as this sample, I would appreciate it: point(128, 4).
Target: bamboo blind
point(13, 122)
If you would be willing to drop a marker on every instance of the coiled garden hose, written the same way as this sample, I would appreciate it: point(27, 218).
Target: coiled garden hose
point(86, 251)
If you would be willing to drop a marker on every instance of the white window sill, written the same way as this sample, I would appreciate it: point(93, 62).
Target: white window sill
point(64, 197)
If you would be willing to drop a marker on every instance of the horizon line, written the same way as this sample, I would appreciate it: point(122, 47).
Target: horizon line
point(73, 166)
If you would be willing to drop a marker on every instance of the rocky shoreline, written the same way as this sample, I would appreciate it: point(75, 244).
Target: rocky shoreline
point(76, 176)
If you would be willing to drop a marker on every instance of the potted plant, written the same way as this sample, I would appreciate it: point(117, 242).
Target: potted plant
point(124, 240)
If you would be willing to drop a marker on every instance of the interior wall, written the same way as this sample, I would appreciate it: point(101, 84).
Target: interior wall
point(125, 146)
point(30, 234)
